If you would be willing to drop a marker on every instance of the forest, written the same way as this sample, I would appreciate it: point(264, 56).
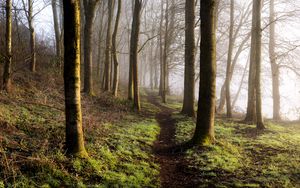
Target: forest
point(149, 93)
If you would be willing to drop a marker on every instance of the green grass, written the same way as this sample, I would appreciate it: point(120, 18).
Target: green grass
point(120, 152)
point(243, 157)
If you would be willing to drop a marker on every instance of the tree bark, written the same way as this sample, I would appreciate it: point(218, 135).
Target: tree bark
point(89, 10)
point(57, 34)
point(107, 65)
point(165, 56)
point(32, 37)
point(251, 109)
point(257, 6)
point(130, 72)
point(134, 40)
point(100, 38)
point(114, 51)
point(161, 49)
point(74, 132)
point(189, 68)
point(229, 59)
point(204, 133)
point(7, 83)
point(274, 65)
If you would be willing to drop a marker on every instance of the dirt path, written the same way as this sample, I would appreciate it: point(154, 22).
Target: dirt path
point(173, 166)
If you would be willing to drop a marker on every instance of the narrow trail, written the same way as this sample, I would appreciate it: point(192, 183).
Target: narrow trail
point(173, 166)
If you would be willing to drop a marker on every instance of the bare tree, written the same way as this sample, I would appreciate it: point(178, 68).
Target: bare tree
point(57, 33)
point(189, 72)
point(114, 50)
point(89, 11)
point(29, 16)
point(229, 59)
point(8, 44)
point(274, 65)
point(107, 63)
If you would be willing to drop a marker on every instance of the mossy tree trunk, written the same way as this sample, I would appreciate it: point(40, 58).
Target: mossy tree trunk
point(8, 44)
point(134, 40)
point(204, 133)
point(74, 132)
point(189, 68)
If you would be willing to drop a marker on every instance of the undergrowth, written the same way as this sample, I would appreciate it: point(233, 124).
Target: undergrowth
point(119, 142)
point(243, 156)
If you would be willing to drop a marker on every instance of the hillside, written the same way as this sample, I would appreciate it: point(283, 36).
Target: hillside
point(127, 149)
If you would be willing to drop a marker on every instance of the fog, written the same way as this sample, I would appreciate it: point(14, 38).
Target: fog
point(287, 49)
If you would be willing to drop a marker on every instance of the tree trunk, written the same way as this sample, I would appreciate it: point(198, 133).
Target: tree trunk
point(161, 49)
point(8, 59)
point(204, 133)
point(156, 71)
point(134, 40)
point(229, 59)
point(189, 68)
point(100, 37)
point(151, 64)
point(32, 37)
point(57, 34)
point(74, 132)
point(257, 6)
point(107, 65)
point(89, 10)
point(114, 51)
point(251, 109)
point(274, 65)
point(165, 56)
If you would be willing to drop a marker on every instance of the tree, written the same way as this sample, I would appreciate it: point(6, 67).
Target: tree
point(114, 51)
point(257, 29)
point(229, 59)
point(74, 132)
point(243, 20)
point(57, 33)
point(8, 58)
point(29, 16)
point(274, 65)
point(134, 40)
point(204, 133)
point(189, 69)
point(130, 73)
point(251, 113)
point(254, 111)
point(89, 11)
point(107, 63)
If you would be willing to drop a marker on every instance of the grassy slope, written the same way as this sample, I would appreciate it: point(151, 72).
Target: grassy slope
point(119, 144)
point(32, 138)
point(243, 157)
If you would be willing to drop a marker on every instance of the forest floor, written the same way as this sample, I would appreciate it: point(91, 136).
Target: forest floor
point(128, 149)
point(171, 162)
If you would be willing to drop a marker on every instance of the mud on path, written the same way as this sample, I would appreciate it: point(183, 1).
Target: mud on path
point(173, 166)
